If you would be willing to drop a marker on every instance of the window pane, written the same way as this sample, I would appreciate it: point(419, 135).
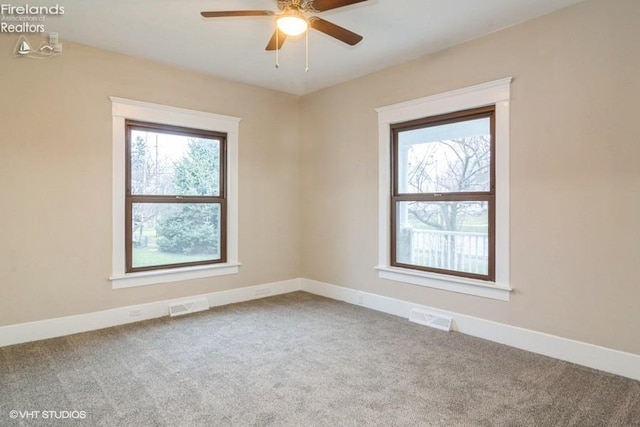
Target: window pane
point(168, 164)
point(455, 157)
point(444, 235)
point(172, 233)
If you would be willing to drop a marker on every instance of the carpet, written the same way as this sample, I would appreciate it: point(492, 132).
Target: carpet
point(299, 360)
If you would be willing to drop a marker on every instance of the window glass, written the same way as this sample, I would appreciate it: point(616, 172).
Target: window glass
point(454, 157)
point(175, 233)
point(169, 164)
point(444, 235)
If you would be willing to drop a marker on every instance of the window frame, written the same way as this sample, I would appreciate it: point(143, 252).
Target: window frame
point(130, 198)
point(123, 109)
point(495, 93)
point(481, 196)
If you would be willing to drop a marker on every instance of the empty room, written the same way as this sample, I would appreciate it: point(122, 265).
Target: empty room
point(319, 213)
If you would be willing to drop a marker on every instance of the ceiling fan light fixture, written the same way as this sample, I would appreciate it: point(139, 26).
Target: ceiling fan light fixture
point(292, 24)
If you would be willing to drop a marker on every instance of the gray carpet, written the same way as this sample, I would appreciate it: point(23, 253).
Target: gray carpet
point(301, 360)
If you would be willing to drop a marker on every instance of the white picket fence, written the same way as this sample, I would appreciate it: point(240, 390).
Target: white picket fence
point(450, 250)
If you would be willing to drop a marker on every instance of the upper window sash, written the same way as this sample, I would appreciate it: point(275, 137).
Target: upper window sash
point(220, 188)
point(424, 124)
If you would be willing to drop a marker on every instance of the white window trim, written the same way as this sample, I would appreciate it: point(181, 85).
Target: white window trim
point(123, 109)
point(492, 93)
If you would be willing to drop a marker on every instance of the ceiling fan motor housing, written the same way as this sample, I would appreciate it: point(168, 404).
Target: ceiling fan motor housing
point(300, 5)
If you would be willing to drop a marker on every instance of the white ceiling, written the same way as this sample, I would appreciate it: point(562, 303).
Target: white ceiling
point(172, 31)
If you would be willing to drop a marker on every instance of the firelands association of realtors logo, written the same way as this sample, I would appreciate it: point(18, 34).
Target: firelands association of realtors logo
point(29, 19)
point(26, 18)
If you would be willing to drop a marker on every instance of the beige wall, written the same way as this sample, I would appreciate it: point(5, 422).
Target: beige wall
point(55, 178)
point(575, 180)
point(308, 195)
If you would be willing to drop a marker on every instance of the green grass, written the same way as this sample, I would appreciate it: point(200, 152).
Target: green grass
point(144, 257)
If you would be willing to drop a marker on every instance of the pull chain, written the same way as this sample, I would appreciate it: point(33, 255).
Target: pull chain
point(277, 47)
point(306, 51)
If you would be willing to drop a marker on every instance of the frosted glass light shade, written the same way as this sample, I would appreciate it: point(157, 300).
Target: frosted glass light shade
point(292, 25)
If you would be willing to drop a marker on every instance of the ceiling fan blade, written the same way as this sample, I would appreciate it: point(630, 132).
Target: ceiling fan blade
point(228, 13)
point(335, 31)
point(272, 43)
point(322, 5)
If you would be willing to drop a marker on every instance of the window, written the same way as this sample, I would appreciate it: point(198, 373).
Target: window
point(175, 212)
point(443, 194)
point(444, 191)
point(174, 194)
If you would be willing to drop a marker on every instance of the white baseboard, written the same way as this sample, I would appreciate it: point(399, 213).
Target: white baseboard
point(592, 356)
point(51, 328)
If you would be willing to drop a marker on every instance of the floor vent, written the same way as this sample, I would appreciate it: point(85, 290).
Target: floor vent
point(186, 307)
point(433, 320)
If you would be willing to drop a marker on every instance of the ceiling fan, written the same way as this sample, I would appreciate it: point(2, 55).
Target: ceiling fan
point(295, 17)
